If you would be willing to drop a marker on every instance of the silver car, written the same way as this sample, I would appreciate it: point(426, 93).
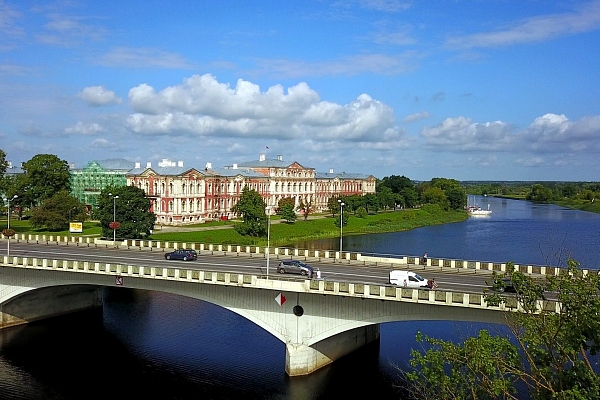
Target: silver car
point(295, 267)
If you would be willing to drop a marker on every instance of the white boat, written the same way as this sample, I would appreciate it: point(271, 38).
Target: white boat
point(477, 211)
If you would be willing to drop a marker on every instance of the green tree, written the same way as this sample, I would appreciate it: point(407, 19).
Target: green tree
point(539, 193)
point(251, 207)
point(44, 176)
point(410, 196)
point(288, 213)
point(396, 183)
point(457, 198)
point(56, 212)
point(333, 205)
point(131, 209)
point(385, 197)
point(435, 195)
point(547, 353)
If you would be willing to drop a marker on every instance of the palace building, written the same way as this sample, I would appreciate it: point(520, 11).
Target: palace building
point(183, 195)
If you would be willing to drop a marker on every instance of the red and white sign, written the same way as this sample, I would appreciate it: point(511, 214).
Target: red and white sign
point(119, 280)
point(280, 299)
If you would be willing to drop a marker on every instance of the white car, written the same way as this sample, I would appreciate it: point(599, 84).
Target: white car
point(407, 279)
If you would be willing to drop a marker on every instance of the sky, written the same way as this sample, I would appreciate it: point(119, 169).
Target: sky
point(501, 90)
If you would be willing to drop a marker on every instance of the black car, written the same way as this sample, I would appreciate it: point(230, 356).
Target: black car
point(182, 254)
point(295, 267)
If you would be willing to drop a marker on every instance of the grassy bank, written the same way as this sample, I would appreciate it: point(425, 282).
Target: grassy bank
point(283, 233)
point(583, 205)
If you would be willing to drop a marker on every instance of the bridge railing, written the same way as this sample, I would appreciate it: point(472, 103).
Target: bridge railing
point(385, 260)
point(325, 287)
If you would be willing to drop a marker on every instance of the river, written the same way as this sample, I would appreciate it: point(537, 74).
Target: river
point(159, 346)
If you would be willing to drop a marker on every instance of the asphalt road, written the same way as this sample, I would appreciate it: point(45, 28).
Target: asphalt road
point(470, 281)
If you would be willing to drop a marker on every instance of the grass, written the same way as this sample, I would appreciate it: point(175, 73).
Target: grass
point(282, 233)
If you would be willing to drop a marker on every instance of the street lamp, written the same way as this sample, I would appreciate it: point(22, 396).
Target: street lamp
point(341, 223)
point(114, 224)
point(8, 224)
point(268, 211)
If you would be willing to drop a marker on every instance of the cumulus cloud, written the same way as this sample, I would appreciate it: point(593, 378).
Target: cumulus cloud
point(98, 96)
point(585, 18)
point(202, 106)
point(81, 128)
point(464, 135)
point(416, 116)
point(550, 133)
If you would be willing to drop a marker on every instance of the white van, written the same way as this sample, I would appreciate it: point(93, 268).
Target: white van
point(407, 279)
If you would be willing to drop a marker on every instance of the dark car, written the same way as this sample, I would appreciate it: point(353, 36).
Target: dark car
point(504, 285)
point(295, 267)
point(182, 254)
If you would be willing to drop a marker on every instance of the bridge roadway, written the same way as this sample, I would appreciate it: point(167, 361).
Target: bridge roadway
point(322, 321)
point(458, 280)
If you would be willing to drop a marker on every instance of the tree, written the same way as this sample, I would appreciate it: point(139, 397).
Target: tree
point(457, 198)
point(385, 197)
point(288, 213)
point(333, 206)
point(548, 352)
point(251, 207)
point(56, 212)
point(435, 195)
point(396, 183)
point(305, 207)
point(411, 198)
point(44, 176)
point(131, 210)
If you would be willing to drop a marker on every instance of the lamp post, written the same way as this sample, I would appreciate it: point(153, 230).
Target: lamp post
point(341, 223)
point(268, 211)
point(8, 224)
point(115, 217)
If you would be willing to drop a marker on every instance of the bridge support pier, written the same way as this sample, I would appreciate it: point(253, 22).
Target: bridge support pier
point(301, 359)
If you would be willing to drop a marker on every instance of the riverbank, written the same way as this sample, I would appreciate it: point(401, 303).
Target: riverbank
point(317, 226)
point(581, 205)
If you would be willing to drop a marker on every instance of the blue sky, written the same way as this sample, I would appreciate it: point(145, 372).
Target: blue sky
point(469, 90)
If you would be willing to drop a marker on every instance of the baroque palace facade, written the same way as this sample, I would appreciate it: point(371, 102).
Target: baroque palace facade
point(182, 195)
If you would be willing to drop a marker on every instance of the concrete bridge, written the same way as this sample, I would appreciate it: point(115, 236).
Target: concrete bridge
point(318, 320)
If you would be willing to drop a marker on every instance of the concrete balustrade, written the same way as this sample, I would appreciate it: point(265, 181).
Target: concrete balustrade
point(387, 261)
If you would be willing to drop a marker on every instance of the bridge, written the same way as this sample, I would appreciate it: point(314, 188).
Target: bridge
point(318, 320)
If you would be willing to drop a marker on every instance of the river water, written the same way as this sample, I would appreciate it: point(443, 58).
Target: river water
point(159, 346)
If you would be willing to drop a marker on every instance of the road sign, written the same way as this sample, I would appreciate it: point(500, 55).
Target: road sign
point(119, 280)
point(280, 299)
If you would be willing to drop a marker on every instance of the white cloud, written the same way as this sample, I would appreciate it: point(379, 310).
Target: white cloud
point(84, 129)
point(98, 96)
point(202, 106)
point(550, 133)
point(536, 29)
point(64, 30)
point(464, 135)
point(416, 116)
point(530, 162)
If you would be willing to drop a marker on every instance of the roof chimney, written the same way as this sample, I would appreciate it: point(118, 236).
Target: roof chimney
point(148, 164)
point(208, 165)
point(137, 164)
point(262, 157)
point(234, 166)
point(180, 163)
point(280, 157)
point(331, 170)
